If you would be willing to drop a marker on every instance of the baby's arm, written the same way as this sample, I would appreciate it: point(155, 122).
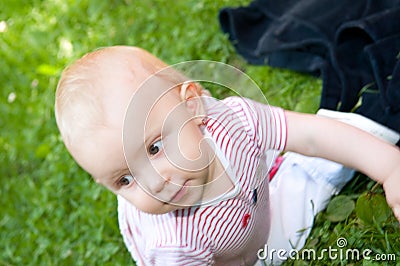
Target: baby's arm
point(327, 138)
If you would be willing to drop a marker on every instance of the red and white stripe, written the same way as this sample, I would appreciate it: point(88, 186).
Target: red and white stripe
point(229, 232)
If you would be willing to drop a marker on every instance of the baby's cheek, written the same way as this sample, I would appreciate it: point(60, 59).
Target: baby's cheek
point(144, 202)
point(197, 156)
point(190, 151)
point(191, 142)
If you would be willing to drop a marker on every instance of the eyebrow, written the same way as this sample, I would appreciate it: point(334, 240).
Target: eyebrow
point(150, 132)
point(115, 176)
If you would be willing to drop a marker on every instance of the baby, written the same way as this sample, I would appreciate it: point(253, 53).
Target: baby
point(189, 170)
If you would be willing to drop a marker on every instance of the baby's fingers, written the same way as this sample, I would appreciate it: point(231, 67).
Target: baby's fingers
point(394, 206)
point(391, 187)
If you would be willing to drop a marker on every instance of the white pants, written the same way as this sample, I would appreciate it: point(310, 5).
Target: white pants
point(300, 189)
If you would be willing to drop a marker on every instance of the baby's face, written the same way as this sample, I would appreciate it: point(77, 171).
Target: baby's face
point(169, 162)
point(162, 162)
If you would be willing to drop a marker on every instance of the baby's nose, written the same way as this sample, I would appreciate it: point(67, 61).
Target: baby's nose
point(159, 184)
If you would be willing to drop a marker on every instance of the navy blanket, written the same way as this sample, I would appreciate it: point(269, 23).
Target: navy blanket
point(353, 46)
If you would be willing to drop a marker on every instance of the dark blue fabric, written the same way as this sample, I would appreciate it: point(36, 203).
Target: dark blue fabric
point(353, 46)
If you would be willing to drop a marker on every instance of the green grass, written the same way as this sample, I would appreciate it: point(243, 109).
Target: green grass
point(52, 213)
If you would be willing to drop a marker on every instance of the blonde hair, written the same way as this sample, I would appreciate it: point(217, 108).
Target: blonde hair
point(78, 107)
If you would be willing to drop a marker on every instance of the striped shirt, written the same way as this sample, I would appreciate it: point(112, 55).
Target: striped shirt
point(248, 136)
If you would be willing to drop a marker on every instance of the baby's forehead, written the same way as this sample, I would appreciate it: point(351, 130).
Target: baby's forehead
point(138, 100)
point(129, 78)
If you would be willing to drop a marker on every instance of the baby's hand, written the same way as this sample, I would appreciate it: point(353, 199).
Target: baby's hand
point(392, 190)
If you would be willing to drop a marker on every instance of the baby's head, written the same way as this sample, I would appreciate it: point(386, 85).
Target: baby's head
point(90, 91)
point(91, 106)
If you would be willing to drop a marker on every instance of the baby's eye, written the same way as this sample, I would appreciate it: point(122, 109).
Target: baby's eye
point(155, 147)
point(125, 180)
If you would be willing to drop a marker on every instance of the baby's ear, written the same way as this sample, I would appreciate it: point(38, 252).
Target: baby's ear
point(190, 93)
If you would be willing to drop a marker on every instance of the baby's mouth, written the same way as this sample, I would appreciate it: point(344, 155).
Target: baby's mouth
point(180, 193)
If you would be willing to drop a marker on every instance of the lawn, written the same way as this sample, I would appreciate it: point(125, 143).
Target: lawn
point(52, 213)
